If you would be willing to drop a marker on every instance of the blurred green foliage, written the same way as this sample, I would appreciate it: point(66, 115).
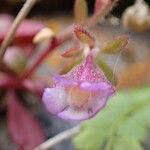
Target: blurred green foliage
point(122, 125)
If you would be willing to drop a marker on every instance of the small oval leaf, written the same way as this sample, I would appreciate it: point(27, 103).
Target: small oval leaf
point(75, 51)
point(84, 36)
point(116, 45)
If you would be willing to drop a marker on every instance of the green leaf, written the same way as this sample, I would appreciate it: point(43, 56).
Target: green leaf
point(115, 45)
point(126, 143)
point(107, 71)
point(122, 125)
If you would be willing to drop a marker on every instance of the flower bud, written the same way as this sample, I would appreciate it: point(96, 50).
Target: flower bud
point(44, 34)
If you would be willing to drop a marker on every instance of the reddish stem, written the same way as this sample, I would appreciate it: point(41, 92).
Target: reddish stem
point(9, 82)
point(51, 47)
point(55, 42)
point(34, 87)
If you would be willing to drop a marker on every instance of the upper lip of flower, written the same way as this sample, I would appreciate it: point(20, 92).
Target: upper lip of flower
point(91, 86)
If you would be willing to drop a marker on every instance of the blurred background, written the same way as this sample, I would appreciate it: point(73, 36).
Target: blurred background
point(53, 7)
point(131, 68)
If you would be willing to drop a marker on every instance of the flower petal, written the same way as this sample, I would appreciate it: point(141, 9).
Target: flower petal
point(98, 105)
point(101, 101)
point(72, 114)
point(96, 86)
point(104, 91)
point(64, 81)
point(54, 99)
point(87, 71)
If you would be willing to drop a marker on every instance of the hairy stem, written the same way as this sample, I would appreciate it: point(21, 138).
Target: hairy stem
point(58, 138)
point(10, 35)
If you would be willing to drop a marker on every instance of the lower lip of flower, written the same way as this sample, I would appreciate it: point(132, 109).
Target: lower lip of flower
point(78, 97)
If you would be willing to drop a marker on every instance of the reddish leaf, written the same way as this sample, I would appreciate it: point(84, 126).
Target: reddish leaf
point(23, 127)
point(84, 36)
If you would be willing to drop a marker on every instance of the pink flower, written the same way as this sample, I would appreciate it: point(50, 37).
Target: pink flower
point(80, 94)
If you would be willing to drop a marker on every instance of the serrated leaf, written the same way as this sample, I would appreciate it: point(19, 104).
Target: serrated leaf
point(84, 36)
point(80, 10)
point(122, 124)
point(116, 45)
point(126, 143)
